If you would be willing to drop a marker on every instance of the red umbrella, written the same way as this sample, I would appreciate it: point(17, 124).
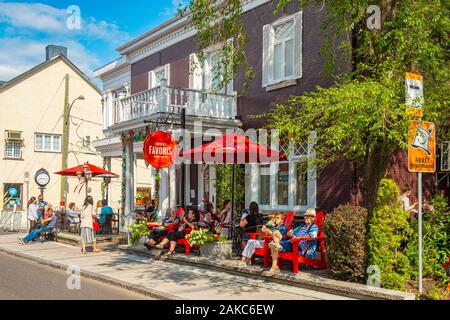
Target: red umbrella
point(233, 149)
point(96, 171)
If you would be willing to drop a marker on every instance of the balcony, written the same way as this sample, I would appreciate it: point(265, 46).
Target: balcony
point(169, 99)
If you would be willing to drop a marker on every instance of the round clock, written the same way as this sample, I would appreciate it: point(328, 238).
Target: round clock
point(42, 178)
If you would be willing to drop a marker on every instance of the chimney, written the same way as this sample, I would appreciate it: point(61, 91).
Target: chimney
point(52, 51)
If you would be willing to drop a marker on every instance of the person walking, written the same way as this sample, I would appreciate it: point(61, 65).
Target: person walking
point(32, 213)
point(87, 228)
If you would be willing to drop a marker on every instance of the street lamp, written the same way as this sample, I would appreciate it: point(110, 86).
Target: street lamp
point(81, 97)
point(87, 175)
point(106, 181)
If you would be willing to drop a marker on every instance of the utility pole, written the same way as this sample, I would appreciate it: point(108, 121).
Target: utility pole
point(65, 142)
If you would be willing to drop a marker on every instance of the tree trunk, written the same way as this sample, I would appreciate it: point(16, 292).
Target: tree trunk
point(374, 169)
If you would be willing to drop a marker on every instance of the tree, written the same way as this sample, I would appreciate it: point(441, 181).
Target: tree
point(362, 118)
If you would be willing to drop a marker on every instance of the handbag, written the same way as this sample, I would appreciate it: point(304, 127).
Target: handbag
point(95, 225)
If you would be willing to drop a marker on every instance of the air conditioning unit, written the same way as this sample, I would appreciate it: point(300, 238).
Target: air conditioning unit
point(13, 136)
point(445, 156)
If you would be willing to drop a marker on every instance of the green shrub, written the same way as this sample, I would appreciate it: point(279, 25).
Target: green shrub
point(203, 236)
point(138, 230)
point(436, 242)
point(345, 229)
point(388, 233)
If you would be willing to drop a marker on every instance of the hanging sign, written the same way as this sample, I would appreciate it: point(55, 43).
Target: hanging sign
point(160, 149)
point(414, 94)
point(422, 147)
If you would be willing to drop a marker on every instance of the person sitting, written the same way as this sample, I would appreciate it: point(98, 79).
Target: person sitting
point(47, 224)
point(157, 233)
point(105, 211)
point(276, 230)
point(191, 221)
point(225, 217)
point(251, 222)
point(305, 248)
point(73, 214)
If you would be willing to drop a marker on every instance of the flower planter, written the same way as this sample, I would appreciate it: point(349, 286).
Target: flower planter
point(216, 250)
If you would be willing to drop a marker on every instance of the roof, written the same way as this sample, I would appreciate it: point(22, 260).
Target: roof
point(43, 66)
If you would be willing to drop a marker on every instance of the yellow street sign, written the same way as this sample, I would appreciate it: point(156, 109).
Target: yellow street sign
point(422, 147)
point(413, 112)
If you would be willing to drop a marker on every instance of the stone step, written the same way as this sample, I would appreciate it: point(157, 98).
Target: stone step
point(103, 241)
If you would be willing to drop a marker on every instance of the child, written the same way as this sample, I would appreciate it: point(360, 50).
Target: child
point(277, 232)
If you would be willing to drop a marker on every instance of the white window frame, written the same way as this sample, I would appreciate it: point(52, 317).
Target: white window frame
point(152, 76)
point(52, 135)
point(273, 43)
point(13, 150)
point(293, 160)
point(269, 46)
point(197, 77)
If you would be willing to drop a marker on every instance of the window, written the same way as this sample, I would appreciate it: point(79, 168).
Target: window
point(155, 76)
point(282, 50)
point(301, 185)
point(289, 184)
point(282, 184)
point(47, 142)
point(13, 144)
point(13, 150)
point(207, 77)
point(264, 185)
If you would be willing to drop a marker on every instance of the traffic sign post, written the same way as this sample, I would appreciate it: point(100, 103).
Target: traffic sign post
point(27, 182)
point(421, 158)
point(422, 147)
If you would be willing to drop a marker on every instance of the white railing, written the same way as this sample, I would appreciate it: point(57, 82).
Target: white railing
point(170, 99)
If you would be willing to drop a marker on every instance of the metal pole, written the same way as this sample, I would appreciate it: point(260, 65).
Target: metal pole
point(419, 196)
point(232, 192)
point(183, 165)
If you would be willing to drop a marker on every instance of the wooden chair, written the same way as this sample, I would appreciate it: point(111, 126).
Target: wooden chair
point(297, 259)
point(265, 251)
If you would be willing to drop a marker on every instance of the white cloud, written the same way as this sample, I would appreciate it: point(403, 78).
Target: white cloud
point(30, 27)
point(32, 53)
point(44, 18)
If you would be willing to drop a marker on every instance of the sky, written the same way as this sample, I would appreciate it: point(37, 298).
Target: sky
point(27, 27)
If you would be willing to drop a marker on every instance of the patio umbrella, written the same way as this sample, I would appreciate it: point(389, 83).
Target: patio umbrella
point(79, 171)
point(96, 171)
point(233, 149)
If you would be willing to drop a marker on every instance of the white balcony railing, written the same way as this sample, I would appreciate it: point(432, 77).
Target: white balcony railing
point(170, 99)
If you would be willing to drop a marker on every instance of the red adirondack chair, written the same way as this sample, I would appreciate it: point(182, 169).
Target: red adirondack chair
point(302, 260)
point(265, 251)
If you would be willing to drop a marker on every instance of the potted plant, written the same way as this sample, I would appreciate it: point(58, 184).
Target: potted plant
point(211, 245)
point(139, 232)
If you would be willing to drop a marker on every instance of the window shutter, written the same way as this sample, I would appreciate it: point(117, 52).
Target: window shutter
point(167, 72)
point(151, 79)
point(195, 78)
point(298, 42)
point(266, 55)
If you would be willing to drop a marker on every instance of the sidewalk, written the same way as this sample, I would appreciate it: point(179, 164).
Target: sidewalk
point(163, 280)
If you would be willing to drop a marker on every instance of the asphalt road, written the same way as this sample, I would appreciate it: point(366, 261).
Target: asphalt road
point(21, 279)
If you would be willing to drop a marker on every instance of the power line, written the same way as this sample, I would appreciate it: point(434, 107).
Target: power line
point(81, 119)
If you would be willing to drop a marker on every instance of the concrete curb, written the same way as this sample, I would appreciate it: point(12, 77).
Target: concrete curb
point(301, 280)
point(97, 276)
